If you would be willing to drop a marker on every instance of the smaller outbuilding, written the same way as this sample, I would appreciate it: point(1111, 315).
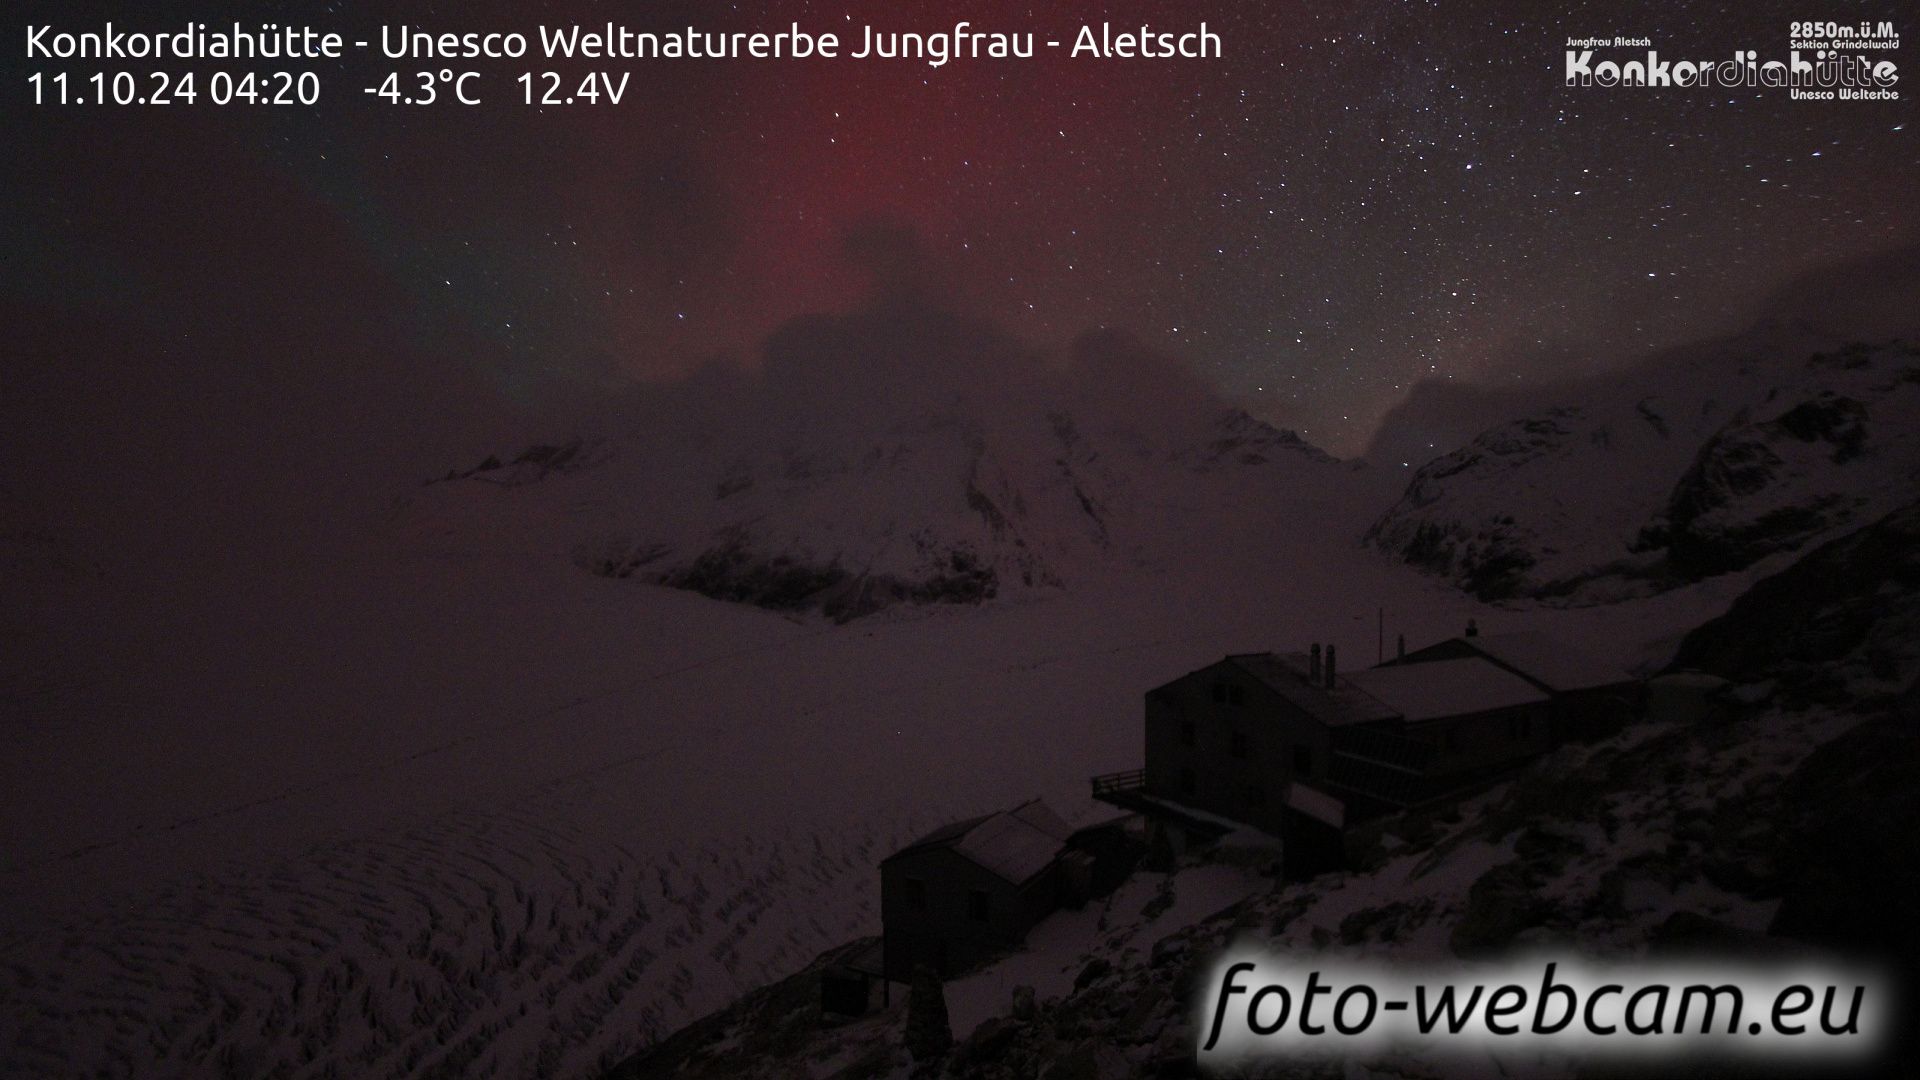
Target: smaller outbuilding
point(969, 890)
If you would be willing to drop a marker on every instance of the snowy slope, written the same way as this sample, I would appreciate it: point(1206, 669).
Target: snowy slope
point(1709, 460)
point(48, 575)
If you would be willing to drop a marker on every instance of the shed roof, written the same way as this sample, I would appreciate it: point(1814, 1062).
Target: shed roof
point(942, 836)
point(1013, 845)
point(1443, 688)
point(1547, 660)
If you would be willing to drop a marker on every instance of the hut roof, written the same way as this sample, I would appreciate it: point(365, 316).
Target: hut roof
point(1013, 845)
point(1443, 688)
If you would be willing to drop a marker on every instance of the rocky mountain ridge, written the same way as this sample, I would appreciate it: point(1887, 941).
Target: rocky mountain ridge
point(1709, 466)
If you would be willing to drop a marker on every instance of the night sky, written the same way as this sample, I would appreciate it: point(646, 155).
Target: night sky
point(1353, 199)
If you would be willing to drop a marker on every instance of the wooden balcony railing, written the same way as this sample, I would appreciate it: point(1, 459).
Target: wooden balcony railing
point(1119, 783)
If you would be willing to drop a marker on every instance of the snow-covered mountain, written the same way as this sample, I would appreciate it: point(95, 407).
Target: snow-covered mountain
point(896, 456)
point(1706, 460)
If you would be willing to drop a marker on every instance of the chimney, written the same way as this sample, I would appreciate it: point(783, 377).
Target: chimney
point(1400, 648)
point(1330, 663)
point(1473, 628)
point(1313, 663)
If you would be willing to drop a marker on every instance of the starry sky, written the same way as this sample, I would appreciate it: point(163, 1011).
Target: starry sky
point(1355, 198)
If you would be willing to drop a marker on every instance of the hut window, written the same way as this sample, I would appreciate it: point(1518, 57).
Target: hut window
point(1303, 760)
point(1239, 747)
point(1187, 734)
point(977, 905)
point(917, 893)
